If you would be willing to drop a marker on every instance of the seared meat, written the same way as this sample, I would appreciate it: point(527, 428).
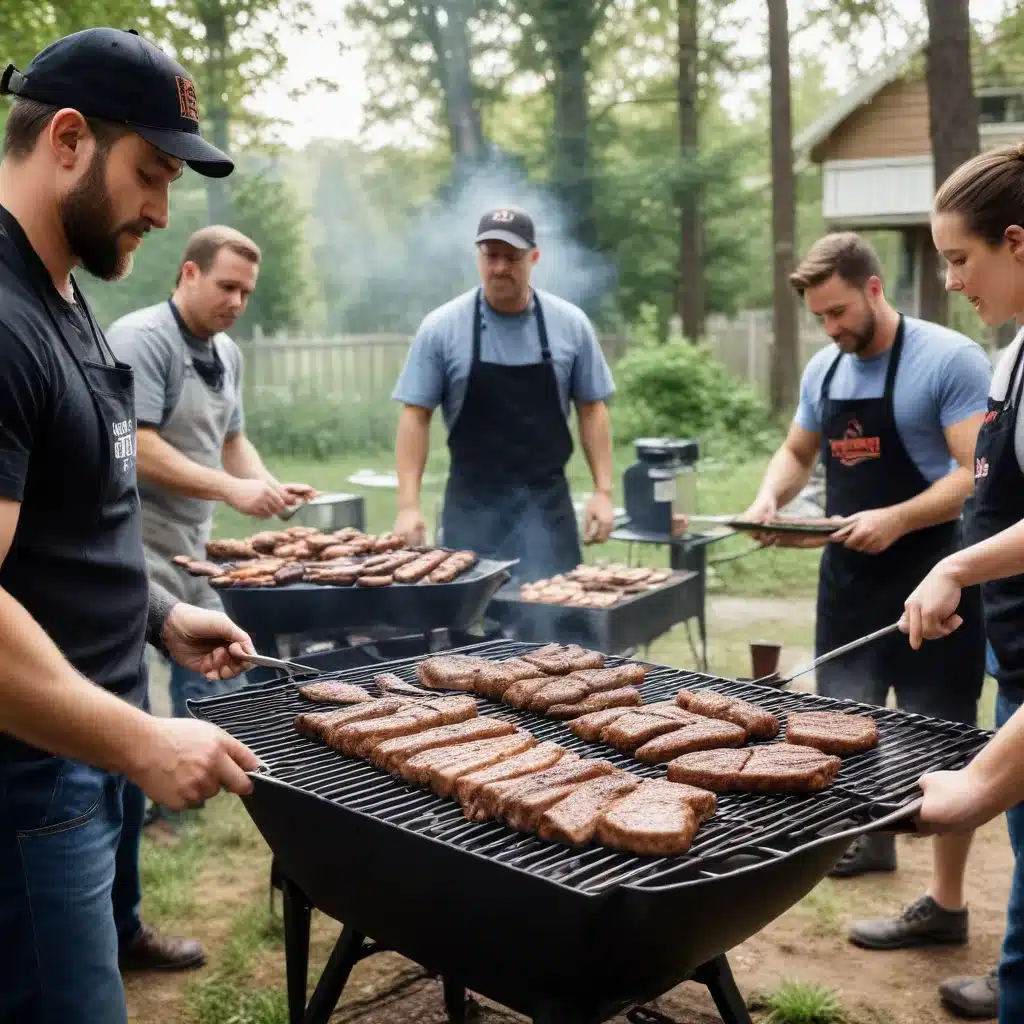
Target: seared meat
point(561, 690)
point(523, 807)
point(761, 724)
point(590, 726)
point(556, 660)
point(778, 767)
point(392, 753)
point(489, 798)
point(446, 775)
point(498, 676)
point(454, 565)
point(832, 732)
point(320, 725)
point(536, 759)
point(335, 693)
point(451, 672)
point(638, 726)
point(388, 682)
point(600, 679)
point(358, 737)
point(574, 819)
point(626, 697)
point(421, 767)
point(659, 818)
point(519, 694)
point(451, 709)
point(706, 734)
point(414, 571)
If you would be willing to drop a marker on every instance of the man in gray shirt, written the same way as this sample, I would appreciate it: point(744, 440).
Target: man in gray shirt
point(505, 361)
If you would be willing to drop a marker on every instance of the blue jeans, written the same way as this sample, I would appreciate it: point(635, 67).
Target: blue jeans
point(187, 685)
point(60, 822)
point(1011, 964)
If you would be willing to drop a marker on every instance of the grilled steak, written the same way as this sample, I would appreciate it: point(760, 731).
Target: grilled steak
point(635, 728)
point(523, 806)
point(450, 672)
point(590, 726)
point(574, 819)
point(832, 732)
point(489, 798)
point(658, 817)
point(561, 690)
point(706, 734)
point(335, 693)
point(761, 724)
point(388, 682)
point(392, 753)
point(556, 660)
point(497, 676)
point(519, 694)
point(445, 776)
point(536, 759)
point(479, 754)
point(778, 767)
point(358, 737)
point(451, 709)
point(321, 724)
point(626, 697)
point(599, 680)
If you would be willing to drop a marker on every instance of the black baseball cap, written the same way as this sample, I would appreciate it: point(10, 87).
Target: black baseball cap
point(507, 224)
point(118, 76)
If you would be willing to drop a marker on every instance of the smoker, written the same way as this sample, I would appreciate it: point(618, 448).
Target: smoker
point(661, 486)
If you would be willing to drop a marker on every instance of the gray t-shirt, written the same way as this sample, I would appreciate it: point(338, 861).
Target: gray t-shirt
point(437, 369)
point(151, 342)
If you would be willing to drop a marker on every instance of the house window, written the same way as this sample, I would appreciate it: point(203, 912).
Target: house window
point(1001, 107)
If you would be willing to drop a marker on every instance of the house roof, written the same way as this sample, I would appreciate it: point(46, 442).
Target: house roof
point(862, 93)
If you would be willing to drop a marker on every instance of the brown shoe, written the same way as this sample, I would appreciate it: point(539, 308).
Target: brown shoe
point(151, 951)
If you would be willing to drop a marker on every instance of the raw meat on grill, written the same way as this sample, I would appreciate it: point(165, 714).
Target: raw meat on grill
point(626, 697)
point(832, 732)
point(450, 671)
point(590, 726)
point(497, 676)
point(519, 694)
point(388, 682)
point(638, 726)
point(392, 753)
point(536, 759)
point(335, 693)
point(574, 819)
point(778, 767)
point(523, 806)
point(761, 724)
point(561, 690)
point(556, 660)
point(706, 734)
point(423, 767)
point(658, 818)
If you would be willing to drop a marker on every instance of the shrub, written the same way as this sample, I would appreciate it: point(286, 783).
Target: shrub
point(677, 389)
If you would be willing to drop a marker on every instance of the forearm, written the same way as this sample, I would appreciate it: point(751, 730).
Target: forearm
point(1000, 556)
point(161, 464)
point(785, 477)
point(241, 459)
point(996, 775)
point(46, 703)
point(942, 502)
point(411, 447)
point(161, 602)
point(596, 438)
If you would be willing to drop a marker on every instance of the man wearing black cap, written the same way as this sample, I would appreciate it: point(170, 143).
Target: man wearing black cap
point(505, 361)
point(99, 127)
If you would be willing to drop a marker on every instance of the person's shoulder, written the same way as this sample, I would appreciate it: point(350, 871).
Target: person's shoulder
point(452, 312)
point(148, 320)
point(936, 340)
point(555, 306)
point(817, 366)
point(27, 334)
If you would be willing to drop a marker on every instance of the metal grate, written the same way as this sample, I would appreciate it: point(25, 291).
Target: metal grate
point(747, 828)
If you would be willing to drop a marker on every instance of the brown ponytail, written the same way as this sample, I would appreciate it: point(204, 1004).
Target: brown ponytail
point(988, 190)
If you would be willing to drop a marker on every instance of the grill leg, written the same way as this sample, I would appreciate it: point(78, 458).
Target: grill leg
point(296, 947)
point(328, 990)
point(459, 1008)
point(717, 976)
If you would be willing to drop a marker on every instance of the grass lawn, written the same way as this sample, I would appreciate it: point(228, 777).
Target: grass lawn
point(721, 489)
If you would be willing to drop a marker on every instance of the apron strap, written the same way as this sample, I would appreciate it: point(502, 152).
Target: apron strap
point(1015, 387)
point(542, 330)
point(894, 362)
point(478, 322)
point(827, 382)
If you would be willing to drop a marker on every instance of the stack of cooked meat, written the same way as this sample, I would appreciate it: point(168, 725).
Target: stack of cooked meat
point(594, 586)
point(302, 554)
point(498, 771)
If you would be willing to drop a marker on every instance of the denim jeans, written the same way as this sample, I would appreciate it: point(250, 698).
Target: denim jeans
point(1011, 964)
point(187, 685)
point(60, 822)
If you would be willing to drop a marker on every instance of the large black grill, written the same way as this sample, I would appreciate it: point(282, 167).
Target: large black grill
point(392, 860)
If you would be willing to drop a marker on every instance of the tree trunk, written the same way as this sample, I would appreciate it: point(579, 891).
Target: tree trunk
point(785, 370)
point(691, 227)
point(464, 124)
point(571, 140)
point(953, 111)
point(218, 194)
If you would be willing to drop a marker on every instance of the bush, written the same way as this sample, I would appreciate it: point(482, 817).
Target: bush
point(681, 390)
point(297, 421)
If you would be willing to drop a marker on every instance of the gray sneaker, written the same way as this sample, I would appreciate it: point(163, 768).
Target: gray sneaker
point(871, 852)
point(923, 923)
point(976, 998)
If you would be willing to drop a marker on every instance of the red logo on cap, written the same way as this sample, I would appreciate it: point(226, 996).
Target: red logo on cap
point(187, 101)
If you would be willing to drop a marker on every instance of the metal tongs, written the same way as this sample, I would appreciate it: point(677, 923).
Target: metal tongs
point(818, 662)
point(291, 667)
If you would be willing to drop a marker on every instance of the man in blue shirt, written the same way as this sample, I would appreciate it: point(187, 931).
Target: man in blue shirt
point(504, 361)
point(894, 410)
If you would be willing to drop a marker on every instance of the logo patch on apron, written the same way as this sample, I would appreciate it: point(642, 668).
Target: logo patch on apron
point(854, 447)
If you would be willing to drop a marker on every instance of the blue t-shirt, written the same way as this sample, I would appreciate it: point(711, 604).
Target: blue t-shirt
point(437, 369)
point(943, 378)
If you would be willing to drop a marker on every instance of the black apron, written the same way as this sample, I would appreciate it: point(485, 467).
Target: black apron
point(507, 495)
point(868, 467)
point(999, 504)
point(77, 564)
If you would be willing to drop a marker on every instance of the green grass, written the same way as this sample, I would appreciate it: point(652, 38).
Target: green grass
point(721, 488)
point(799, 1003)
point(827, 909)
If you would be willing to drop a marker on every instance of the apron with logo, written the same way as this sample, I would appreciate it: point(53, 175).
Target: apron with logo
point(868, 467)
point(998, 505)
point(507, 494)
point(173, 523)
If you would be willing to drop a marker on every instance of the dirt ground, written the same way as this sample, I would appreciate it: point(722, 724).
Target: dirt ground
point(807, 944)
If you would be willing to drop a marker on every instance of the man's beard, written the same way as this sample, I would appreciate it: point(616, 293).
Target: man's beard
point(864, 335)
point(87, 214)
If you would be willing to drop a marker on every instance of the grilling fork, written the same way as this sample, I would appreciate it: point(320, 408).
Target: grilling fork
point(828, 656)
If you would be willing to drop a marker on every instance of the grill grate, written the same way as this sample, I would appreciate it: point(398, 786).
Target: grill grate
point(747, 828)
